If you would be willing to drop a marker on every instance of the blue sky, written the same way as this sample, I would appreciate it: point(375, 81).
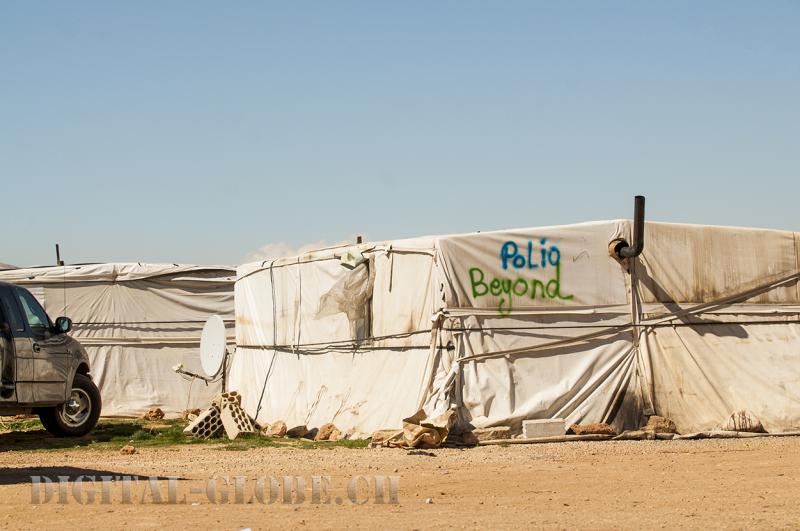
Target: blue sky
point(201, 132)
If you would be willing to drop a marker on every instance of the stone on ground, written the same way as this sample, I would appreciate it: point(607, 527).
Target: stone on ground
point(297, 432)
point(277, 429)
point(190, 414)
point(658, 424)
point(596, 428)
point(153, 413)
point(490, 434)
point(325, 431)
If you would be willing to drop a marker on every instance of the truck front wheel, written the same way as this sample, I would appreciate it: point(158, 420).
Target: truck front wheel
point(78, 415)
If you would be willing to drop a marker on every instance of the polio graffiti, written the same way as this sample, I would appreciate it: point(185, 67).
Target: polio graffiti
point(538, 258)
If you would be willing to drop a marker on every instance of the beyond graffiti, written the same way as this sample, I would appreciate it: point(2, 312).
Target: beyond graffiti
point(508, 288)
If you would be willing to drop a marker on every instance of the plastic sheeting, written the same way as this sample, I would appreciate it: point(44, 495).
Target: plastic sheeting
point(541, 323)
point(303, 366)
point(531, 323)
point(137, 321)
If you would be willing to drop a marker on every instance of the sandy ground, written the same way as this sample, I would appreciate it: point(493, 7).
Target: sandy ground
point(631, 484)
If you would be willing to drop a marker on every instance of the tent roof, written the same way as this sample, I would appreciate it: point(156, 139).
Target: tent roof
point(429, 242)
point(112, 272)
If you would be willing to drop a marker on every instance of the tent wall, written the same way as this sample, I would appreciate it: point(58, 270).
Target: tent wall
point(309, 368)
point(137, 321)
point(531, 323)
point(541, 322)
point(720, 311)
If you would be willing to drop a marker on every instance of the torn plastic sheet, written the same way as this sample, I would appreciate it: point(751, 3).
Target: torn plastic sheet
point(421, 432)
point(350, 295)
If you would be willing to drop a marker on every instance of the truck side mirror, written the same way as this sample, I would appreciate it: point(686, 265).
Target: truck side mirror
point(63, 325)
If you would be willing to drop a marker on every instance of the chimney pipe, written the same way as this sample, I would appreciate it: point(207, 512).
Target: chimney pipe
point(623, 249)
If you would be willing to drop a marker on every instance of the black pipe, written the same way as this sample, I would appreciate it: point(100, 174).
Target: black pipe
point(624, 250)
point(59, 261)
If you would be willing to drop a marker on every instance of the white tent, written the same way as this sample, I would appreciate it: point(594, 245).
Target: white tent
point(526, 324)
point(137, 321)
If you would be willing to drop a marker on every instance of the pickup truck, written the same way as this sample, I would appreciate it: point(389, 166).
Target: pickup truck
point(42, 369)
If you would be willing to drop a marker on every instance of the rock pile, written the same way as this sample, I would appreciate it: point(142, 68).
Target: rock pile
point(227, 416)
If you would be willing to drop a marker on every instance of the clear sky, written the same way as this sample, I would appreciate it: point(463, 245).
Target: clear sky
point(201, 132)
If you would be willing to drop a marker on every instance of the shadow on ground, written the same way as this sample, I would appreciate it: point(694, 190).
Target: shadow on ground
point(18, 476)
point(39, 439)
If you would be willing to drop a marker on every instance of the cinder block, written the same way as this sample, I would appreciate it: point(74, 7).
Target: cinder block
point(532, 429)
point(231, 397)
point(230, 424)
point(207, 424)
point(236, 421)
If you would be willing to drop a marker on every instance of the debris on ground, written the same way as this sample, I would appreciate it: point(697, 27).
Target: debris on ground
point(381, 436)
point(226, 416)
point(419, 431)
point(635, 435)
point(457, 440)
point(208, 424)
point(658, 424)
point(190, 414)
point(596, 428)
point(493, 433)
point(743, 420)
point(327, 432)
point(657, 428)
point(421, 452)
point(127, 450)
point(548, 439)
point(277, 429)
point(298, 432)
point(153, 413)
point(235, 420)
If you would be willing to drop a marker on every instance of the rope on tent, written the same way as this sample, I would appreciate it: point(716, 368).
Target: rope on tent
point(274, 337)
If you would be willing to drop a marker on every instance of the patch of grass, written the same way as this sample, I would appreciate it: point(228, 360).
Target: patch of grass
point(345, 443)
point(21, 424)
point(247, 441)
point(113, 434)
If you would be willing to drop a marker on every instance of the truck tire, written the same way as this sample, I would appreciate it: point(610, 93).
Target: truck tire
point(78, 415)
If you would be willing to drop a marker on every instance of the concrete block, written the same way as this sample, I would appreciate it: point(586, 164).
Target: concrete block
point(235, 420)
point(532, 429)
point(207, 424)
point(229, 423)
point(231, 397)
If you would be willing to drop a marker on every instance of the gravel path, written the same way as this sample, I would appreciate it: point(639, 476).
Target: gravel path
point(630, 484)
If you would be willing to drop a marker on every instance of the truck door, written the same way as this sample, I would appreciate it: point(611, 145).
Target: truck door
point(49, 353)
point(10, 325)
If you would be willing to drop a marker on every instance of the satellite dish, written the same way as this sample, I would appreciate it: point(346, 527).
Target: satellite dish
point(212, 345)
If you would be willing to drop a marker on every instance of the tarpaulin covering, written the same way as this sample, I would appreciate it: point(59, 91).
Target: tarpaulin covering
point(296, 363)
point(721, 307)
point(136, 322)
point(527, 324)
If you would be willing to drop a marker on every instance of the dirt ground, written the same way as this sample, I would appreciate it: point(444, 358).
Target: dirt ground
point(630, 484)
